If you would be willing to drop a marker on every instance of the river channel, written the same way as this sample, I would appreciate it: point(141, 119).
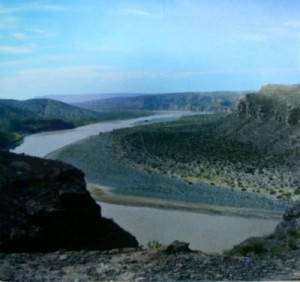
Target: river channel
point(207, 232)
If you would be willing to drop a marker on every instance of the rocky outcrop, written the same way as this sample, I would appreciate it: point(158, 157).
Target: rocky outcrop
point(269, 123)
point(273, 102)
point(44, 206)
point(172, 263)
point(283, 241)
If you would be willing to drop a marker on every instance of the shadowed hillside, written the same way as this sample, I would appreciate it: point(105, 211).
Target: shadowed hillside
point(15, 122)
point(50, 109)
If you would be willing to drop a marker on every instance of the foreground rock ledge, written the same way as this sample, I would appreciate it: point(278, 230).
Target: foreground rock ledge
point(44, 206)
point(171, 263)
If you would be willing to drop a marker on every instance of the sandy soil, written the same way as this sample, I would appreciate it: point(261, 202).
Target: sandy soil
point(104, 194)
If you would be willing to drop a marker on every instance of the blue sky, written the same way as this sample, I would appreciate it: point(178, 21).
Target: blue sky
point(110, 46)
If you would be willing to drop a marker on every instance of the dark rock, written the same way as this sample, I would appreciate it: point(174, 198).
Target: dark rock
point(291, 221)
point(44, 206)
point(177, 247)
point(292, 212)
point(284, 240)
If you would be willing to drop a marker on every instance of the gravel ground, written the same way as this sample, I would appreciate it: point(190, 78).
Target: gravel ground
point(172, 263)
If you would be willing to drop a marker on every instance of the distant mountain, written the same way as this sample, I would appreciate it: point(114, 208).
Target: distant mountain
point(8, 114)
point(52, 109)
point(79, 98)
point(195, 101)
point(16, 121)
point(18, 118)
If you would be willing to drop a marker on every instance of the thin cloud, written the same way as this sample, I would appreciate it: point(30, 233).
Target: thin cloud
point(139, 13)
point(66, 71)
point(15, 50)
point(127, 75)
point(293, 24)
point(252, 37)
point(20, 36)
point(224, 72)
point(10, 63)
point(37, 81)
point(32, 7)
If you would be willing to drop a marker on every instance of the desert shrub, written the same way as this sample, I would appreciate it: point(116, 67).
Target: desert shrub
point(294, 116)
point(294, 234)
point(153, 244)
point(292, 244)
point(297, 191)
point(255, 247)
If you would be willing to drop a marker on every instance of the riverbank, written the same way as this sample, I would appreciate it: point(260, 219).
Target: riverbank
point(105, 195)
point(217, 151)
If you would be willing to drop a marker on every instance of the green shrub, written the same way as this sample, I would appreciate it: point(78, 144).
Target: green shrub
point(153, 244)
point(294, 234)
point(292, 244)
point(278, 250)
point(256, 247)
point(297, 191)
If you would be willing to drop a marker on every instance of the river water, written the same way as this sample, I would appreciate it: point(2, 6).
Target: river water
point(41, 144)
point(210, 233)
point(206, 232)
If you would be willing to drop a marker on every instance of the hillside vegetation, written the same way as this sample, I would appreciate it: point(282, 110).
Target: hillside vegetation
point(248, 150)
point(18, 118)
point(15, 122)
point(52, 109)
point(190, 101)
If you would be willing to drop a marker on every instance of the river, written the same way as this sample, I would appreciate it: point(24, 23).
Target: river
point(206, 232)
point(210, 233)
point(41, 144)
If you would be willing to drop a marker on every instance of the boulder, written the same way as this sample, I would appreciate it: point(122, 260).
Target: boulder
point(45, 206)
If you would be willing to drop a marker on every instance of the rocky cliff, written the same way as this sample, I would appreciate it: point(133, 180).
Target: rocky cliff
point(273, 102)
point(270, 120)
point(45, 206)
point(285, 240)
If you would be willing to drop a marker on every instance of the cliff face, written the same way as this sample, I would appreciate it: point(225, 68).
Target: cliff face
point(273, 102)
point(270, 120)
point(45, 206)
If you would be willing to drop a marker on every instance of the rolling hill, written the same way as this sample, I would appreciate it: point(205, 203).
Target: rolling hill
point(52, 109)
point(18, 118)
point(17, 121)
point(190, 101)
